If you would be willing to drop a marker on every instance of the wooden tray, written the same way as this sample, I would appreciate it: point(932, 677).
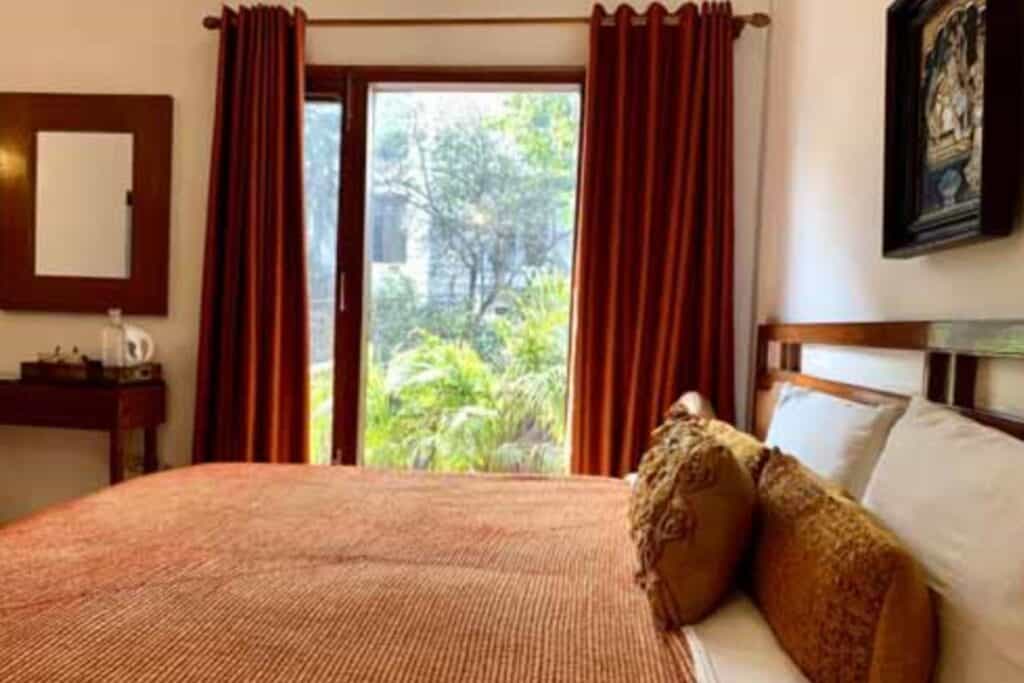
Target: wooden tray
point(90, 372)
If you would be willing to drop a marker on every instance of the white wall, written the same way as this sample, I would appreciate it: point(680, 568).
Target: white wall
point(111, 46)
point(158, 47)
point(821, 258)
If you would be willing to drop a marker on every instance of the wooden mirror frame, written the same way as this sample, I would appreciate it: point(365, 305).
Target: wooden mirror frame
point(149, 118)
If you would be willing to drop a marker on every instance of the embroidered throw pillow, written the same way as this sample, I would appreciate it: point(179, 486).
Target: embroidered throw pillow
point(691, 515)
point(748, 449)
point(845, 599)
point(751, 453)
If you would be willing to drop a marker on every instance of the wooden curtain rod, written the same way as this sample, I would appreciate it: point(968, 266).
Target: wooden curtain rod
point(757, 20)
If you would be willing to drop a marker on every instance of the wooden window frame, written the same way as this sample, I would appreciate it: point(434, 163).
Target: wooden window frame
point(351, 86)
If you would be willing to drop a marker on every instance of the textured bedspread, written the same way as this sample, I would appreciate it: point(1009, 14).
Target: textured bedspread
point(282, 573)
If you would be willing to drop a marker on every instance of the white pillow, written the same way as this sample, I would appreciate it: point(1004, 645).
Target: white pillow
point(837, 439)
point(736, 644)
point(953, 491)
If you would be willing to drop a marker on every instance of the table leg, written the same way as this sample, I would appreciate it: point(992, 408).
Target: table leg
point(150, 461)
point(116, 457)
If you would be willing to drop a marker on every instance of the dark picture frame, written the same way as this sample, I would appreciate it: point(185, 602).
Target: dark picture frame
point(938, 193)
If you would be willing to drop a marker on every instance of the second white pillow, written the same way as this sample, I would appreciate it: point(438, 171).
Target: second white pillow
point(837, 439)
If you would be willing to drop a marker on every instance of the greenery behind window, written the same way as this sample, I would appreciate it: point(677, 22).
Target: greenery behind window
point(471, 237)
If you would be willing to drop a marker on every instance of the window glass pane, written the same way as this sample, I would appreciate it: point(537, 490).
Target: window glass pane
point(322, 181)
point(471, 223)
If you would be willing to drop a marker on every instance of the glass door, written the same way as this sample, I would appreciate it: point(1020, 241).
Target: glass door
point(322, 168)
point(469, 222)
point(440, 250)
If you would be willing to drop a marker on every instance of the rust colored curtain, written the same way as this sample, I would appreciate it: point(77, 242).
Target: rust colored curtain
point(654, 271)
point(252, 400)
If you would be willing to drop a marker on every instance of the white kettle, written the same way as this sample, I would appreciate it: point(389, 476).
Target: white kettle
point(139, 346)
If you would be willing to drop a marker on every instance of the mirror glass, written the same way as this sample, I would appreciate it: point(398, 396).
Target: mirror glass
point(83, 204)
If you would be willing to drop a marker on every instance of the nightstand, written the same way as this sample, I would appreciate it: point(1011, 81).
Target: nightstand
point(110, 408)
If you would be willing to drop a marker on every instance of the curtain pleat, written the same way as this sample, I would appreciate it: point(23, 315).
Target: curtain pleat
point(252, 400)
point(654, 268)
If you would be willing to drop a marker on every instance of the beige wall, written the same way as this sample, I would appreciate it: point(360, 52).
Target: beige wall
point(158, 47)
point(111, 46)
point(821, 255)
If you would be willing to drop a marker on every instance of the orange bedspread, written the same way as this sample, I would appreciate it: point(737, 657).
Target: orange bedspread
point(285, 573)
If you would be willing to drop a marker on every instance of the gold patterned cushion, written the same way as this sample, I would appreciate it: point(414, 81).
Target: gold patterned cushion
point(690, 516)
point(751, 453)
point(845, 600)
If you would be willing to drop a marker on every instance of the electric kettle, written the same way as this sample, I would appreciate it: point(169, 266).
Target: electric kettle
point(139, 346)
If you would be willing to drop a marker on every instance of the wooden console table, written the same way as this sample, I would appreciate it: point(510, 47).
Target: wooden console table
point(112, 409)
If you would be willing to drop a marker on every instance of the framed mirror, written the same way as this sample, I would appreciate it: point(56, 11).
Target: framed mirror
point(84, 202)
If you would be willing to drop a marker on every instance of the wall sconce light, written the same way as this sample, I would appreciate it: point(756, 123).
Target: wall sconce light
point(12, 164)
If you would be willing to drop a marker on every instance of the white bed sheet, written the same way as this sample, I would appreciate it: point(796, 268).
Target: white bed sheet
point(736, 645)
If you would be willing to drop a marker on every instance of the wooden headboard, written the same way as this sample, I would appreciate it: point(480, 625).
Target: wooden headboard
point(951, 349)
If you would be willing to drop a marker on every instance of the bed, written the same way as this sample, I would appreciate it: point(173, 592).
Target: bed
point(948, 480)
point(953, 353)
point(290, 573)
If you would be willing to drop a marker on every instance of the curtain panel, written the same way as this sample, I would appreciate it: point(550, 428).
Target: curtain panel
point(252, 400)
point(654, 270)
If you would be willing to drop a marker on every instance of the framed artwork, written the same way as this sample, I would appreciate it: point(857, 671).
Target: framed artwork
point(953, 119)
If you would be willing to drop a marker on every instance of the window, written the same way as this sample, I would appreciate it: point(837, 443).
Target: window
point(323, 179)
point(471, 227)
point(447, 345)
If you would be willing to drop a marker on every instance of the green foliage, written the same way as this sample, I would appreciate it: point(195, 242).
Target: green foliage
point(472, 378)
point(546, 129)
point(495, 185)
point(536, 344)
point(394, 312)
point(440, 401)
point(440, 405)
point(321, 407)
